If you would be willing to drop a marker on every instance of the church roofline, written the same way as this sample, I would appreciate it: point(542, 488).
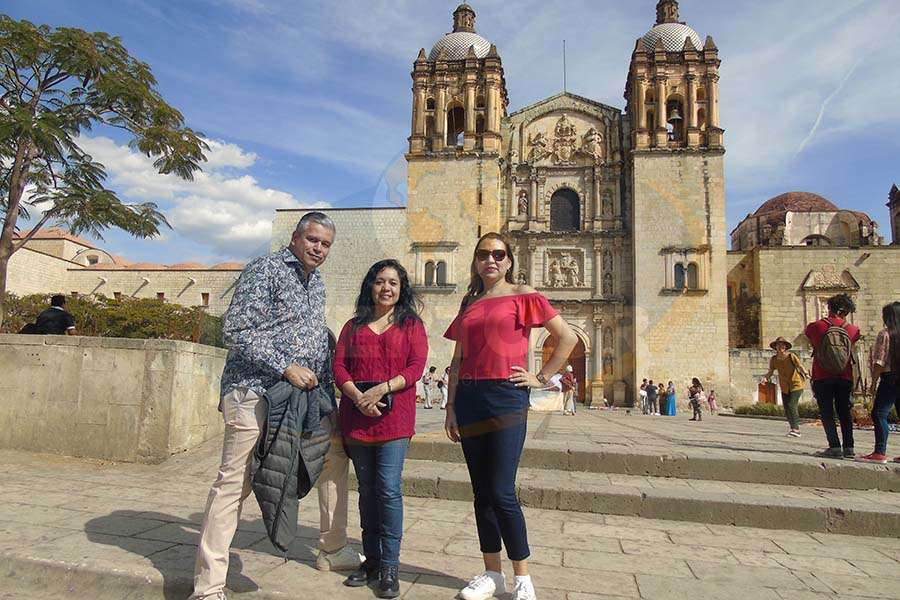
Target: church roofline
point(327, 210)
point(561, 95)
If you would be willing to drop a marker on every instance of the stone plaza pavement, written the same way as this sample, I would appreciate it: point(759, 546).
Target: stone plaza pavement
point(76, 528)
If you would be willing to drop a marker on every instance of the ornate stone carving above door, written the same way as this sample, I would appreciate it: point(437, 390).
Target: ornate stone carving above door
point(564, 269)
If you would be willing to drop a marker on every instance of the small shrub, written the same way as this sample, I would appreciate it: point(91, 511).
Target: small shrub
point(765, 410)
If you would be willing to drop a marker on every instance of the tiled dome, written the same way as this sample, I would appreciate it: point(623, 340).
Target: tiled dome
point(672, 36)
point(796, 202)
point(456, 45)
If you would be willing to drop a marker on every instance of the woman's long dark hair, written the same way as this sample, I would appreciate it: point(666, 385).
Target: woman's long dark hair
point(696, 383)
point(408, 304)
point(476, 286)
point(890, 314)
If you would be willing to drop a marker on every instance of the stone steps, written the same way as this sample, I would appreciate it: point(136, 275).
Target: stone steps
point(710, 464)
point(768, 506)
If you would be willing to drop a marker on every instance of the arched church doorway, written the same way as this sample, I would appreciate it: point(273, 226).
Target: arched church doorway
point(576, 359)
point(564, 211)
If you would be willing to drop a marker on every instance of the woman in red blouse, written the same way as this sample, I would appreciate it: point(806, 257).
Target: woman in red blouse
point(380, 355)
point(487, 410)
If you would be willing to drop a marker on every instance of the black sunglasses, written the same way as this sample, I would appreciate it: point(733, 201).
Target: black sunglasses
point(498, 255)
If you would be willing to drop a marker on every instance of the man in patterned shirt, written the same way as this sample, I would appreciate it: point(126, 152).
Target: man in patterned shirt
point(276, 329)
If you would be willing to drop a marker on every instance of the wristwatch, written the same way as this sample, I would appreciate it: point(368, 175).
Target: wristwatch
point(540, 377)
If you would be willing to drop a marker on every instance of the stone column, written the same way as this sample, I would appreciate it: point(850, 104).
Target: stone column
point(692, 101)
point(491, 100)
point(641, 91)
point(533, 199)
point(597, 376)
point(469, 133)
point(598, 271)
point(661, 136)
point(588, 200)
point(598, 209)
point(440, 119)
point(513, 204)
point(713, 99)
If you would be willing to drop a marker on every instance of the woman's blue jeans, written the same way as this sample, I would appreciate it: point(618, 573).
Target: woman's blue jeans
point(378, 470)
point(887, 397)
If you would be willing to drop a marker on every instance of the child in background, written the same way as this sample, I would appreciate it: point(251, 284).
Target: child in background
point(713, 405)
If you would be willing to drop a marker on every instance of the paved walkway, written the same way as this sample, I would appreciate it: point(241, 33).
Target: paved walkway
point(77, 529)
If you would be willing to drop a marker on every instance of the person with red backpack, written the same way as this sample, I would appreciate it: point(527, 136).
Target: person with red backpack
point(833, 339)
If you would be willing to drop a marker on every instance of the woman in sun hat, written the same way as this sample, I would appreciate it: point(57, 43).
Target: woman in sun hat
point(792, 379)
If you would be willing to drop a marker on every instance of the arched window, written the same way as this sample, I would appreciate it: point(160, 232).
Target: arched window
point(479, 102)
point(701, 119)
point(675, 124)
point(429, 104)
point(479, 130)
point(565, 211)
point(429, 273)
point(651, 119)
point(679, 276)
point(441, 273)
point(693, 276)
point(816, 240)
point(456, 123)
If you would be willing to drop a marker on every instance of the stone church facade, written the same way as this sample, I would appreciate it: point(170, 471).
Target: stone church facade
point(618, 217)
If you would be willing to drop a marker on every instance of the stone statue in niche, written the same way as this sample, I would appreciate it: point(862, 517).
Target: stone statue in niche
point(592, 145)
point(607, 337)
point(523, 202)
point(557, 279)
point(607, 203)
point(521, 278)
point(608, 283)
point(607, 262)
point(608, 365)
point(539, 146)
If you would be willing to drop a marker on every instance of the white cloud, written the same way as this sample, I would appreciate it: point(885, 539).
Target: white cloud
point(229, 212)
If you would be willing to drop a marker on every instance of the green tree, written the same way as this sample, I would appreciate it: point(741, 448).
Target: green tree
point(55, 84)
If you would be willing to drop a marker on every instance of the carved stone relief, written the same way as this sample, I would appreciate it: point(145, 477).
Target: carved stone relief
point(607, 283)
point(607, 337)
point(564, 269)
point(607, 203)
point(564, 145)
point(523, 202)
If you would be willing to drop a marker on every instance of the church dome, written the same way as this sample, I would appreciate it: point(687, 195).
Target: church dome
point(456, 45)
point(796, 202)
point(672, 36)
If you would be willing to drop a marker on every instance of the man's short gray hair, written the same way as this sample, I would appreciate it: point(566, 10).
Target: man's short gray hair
point(315, 217)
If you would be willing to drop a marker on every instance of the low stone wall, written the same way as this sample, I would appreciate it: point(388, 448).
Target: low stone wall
point(108, 398)
point(749, 365)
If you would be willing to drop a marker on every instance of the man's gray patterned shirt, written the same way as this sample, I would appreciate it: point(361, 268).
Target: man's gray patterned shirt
point(276, 317)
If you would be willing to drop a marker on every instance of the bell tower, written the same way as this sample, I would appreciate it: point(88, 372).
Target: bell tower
point(453, 172)
point(678, 219)
point(459, 93)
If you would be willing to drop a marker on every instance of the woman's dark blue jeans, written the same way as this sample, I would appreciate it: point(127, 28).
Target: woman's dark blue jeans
point(378, 469)
point(887, 397)
point(493, 416)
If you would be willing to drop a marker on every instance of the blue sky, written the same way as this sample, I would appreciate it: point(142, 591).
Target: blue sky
point(308, 102)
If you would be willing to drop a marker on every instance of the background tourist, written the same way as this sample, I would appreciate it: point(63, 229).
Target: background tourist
point(568, 383)
point(833, 338)
point(713, 402)
point(429, 381)
point(488, 406)
point(273, 339)
point(445, 381)
point(695, 394)
point(670, 400)
point(791, 378)
point(380, 354)
point(642, 395)
point(885, 365)
point(652, 398)
point(56, 320)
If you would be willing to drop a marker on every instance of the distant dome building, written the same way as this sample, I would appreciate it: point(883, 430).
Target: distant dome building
point(804, 219)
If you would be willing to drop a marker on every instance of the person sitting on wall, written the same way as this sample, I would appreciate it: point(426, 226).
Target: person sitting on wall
point(53, 321)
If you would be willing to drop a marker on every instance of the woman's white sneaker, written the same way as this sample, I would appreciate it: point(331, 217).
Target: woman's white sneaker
point(524, 589)
point(484, 586)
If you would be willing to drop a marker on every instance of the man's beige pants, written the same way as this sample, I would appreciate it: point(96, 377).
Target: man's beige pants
point(244, 412)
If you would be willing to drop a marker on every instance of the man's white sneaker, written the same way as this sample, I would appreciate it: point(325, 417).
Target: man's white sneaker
point(524, 589)
point(484, 586)
point(345, 559)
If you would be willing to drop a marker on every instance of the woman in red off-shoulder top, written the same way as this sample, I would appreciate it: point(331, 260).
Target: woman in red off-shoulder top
point(487, 409)
point(380, 355)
